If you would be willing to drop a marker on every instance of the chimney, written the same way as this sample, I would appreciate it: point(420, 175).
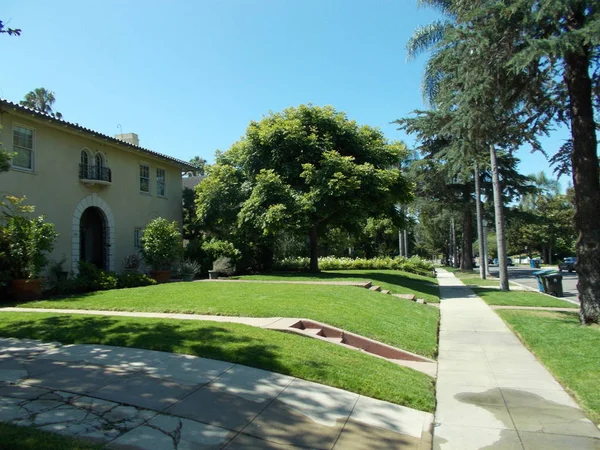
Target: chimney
point(130, 138)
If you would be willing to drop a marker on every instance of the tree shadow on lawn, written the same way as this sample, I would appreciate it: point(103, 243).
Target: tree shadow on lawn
point(208, 341)
point(395, 279)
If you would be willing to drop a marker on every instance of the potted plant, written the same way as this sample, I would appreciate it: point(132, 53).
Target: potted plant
point(131, 263)
point(26, 243)
point(223, 254)
point(188, 269)
point(221, 266)
point(161, 246)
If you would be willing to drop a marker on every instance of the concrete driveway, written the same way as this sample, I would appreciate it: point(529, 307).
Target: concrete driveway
point(524, 275)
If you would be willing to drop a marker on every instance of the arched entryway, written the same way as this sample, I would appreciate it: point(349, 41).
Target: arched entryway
point(93, 224)
point(93, 243)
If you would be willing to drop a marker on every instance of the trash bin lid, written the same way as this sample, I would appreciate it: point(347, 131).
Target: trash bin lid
point(544, 272)
point(553, 276)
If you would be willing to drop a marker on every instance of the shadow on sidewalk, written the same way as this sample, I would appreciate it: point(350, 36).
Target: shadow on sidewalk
point(455, 292)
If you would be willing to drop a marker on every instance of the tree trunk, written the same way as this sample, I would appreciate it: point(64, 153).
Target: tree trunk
point(479, 212)
point(400, 253)
point(544, 260)
point(466, 262)
point(585, 176)
point(314, 249)
point(499, 213)
point(453, 240)
point(405, 243)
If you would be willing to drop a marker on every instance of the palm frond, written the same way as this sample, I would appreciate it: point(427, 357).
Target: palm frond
point(424, 38)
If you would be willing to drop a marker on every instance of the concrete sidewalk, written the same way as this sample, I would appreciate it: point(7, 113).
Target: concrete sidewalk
point(141, 399)
point(492, 393)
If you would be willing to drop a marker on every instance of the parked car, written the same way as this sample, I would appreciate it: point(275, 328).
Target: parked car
point(568, 264)
point(509, 262)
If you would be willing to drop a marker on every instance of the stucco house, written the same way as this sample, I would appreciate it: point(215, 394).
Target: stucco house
point(99, 191)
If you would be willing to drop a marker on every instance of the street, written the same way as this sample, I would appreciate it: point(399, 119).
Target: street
point(524, 275)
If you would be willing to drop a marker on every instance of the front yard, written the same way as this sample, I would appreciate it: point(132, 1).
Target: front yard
point(15, 437)
point(299, 356)
point(400, 323)
point(496, 297)
point(393, 280)
point(569, 350)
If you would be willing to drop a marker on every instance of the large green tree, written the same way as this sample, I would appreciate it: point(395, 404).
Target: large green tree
point(540, 60)
point(563, 39)
point(41, 99)
point(305, 170)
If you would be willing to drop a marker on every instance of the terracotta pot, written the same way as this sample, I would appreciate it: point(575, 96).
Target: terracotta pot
point(161, 276)
point(25, 290)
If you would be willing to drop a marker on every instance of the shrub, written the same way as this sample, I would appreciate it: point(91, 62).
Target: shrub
point(132, 279)
point(131, 262)
point(224, 266)
point(188, 267)
point(26, 241)
point(60, 284)
point(217, 249)
point(161, 243)
point(413, 265)
point(90, 278)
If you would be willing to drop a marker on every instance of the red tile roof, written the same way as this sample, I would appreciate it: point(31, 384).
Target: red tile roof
point(7, 105)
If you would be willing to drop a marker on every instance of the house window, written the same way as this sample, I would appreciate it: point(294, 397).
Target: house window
point(23, 147)
point(99, 160)
point(137, 237)
point(144, 178)
point(160, 182)
point(84, 169)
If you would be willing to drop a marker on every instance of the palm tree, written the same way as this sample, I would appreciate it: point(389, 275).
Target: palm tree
point(544, 187)
point(41, 99)
point(426, 38)
point(441, 37)
point(200, 164)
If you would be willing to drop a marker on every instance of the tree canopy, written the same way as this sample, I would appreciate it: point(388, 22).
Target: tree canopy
point(304, 170)
point(41, 99)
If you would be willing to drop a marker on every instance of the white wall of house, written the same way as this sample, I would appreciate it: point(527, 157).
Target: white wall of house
point(55, 189)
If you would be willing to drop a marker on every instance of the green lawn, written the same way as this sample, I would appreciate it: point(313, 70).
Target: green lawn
point(569, 350)
point(289, 354)
point(400, 323)
point(393, 280)
point(14, 437)
point(521, 298)
point(472, 278)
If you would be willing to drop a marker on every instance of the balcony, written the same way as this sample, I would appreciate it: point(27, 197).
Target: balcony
point(91, 175)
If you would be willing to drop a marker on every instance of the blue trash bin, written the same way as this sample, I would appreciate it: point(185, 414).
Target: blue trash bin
point(538, 276)
point(532, 263)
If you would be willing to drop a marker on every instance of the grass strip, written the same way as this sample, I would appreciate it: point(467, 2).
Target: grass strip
point(521, 298)
point(14, 437)
point(396, 322)
point(393, 280)
point(569, 350)
point(289, 354)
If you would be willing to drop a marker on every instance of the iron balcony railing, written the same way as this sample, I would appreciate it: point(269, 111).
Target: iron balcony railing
point(87, 172)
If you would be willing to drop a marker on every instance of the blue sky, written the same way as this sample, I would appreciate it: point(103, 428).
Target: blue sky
point(188, 76)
